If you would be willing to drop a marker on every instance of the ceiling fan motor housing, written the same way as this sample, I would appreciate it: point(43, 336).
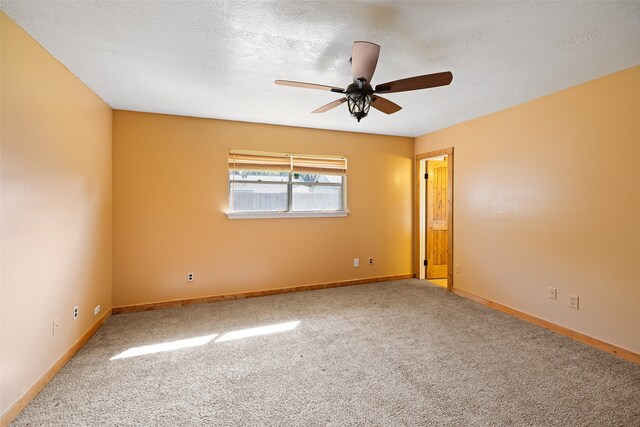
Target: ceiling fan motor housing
point(359, 99)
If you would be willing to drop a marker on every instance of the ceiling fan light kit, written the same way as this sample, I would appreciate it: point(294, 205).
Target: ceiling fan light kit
point(360, 96)
point(359, 99)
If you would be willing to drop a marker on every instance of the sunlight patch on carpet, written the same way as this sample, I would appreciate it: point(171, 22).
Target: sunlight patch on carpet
point(205, 339)
point(165, 346)
point(263, 330)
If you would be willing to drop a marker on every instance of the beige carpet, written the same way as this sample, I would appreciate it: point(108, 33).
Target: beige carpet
point(395, 353)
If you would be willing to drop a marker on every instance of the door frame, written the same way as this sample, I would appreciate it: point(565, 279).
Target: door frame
point(419, 207)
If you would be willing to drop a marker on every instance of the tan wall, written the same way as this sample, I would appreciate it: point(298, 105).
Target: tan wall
point(56, 210)
point(548, 194)
point(171, 193)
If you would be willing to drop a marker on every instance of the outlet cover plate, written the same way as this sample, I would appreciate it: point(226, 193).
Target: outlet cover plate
point(573, 301)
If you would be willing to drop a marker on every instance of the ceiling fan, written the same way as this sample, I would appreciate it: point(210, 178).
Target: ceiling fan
point(360, 95)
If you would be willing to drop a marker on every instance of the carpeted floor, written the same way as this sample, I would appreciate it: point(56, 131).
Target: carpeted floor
point(394, 353)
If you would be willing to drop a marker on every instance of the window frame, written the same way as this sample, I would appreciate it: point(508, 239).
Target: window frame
point(290, 183)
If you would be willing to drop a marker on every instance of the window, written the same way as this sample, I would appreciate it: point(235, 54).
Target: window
point(286, 185)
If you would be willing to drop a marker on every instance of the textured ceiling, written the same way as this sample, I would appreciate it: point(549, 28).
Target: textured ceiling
point(219, 59)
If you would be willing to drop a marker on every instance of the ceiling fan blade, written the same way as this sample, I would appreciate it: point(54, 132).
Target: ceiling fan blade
point(364, 58)
point(330, 105)
point(384, 105)
point(309, 85)
point(415, 83)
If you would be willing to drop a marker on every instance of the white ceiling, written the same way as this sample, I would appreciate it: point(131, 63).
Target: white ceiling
point(219, 59)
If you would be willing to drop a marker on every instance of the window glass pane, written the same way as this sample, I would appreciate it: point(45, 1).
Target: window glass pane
point(258, 197)
point(317, 198)
point(264, 176)
point(314, 177)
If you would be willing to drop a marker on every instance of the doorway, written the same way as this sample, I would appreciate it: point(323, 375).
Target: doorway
point(434, 217)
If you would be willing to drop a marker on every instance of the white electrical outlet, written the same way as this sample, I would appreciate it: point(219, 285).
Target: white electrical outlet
point(552, 292)
point(189, 277)
point(574, 301)
point(458, 269)
point(371, 261)
point(55, 326)
point(356, 262)
point(96, 310)
point(75, 312)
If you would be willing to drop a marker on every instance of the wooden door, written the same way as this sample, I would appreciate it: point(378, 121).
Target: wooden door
point(437, 220)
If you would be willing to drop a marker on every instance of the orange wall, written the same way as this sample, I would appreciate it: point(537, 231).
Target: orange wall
point(170, 185)
point(548, 194)
point(56, 210)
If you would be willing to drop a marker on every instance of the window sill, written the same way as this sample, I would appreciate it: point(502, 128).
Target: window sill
point(258, 215)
